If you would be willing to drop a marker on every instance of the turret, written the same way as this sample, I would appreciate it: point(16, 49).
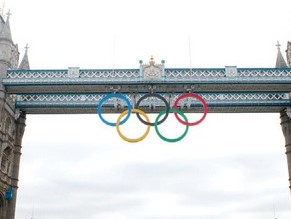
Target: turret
point(24, 64)
point(9, 55)
point(280, 62)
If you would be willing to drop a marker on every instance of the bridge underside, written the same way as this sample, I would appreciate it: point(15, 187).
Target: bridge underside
point(92, 110)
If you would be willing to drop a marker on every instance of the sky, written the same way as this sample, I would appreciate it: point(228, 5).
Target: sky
point(229, 166)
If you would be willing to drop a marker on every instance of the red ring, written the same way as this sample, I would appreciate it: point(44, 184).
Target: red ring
point(205, 108)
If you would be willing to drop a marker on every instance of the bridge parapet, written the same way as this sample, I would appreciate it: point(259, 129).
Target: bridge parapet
point(178, 74)
point(140, 80)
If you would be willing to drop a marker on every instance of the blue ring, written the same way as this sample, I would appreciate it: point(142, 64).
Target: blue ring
point(108, 97)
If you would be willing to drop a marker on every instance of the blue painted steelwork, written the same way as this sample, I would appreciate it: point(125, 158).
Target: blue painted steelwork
point(236, 101)
point(213, 75)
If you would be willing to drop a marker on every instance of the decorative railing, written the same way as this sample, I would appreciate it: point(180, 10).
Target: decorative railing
point(54, 74)
point(221, 72)
point(27, 74)
point(170, 75)
point(110, 74)
point(221, 75)
point(95, 98)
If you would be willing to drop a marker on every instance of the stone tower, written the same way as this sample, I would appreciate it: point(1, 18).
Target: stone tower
point(285, 114)
point(12, 124)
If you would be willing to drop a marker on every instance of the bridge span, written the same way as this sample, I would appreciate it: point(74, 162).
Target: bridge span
point(74, 90)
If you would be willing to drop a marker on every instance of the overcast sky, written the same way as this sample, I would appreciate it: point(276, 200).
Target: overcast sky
point(229, 166)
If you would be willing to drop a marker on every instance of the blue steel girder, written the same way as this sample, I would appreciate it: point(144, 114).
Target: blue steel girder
point(217, 102)
point(129, 80)
point(60, 91)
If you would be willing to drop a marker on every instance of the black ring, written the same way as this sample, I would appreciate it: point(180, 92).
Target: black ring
point(159, 97)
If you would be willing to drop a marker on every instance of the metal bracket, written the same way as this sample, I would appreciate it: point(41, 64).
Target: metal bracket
point(115, 89)
point(189, 88)
point(17, 114)
point(152, 88)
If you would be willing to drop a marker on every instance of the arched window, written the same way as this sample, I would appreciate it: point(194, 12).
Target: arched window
point(6, 159)
point(7, 125)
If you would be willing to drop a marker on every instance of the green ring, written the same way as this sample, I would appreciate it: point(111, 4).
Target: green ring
point(171, 139)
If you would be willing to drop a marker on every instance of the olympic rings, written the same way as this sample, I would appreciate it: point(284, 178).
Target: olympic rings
point(108, 97)
point(159, 97)
point(205, 108)
point(130, 139)
point(169, 139)
point(157, 122)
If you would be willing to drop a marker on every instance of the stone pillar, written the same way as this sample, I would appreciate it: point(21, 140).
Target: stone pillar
point(2, 99)
point(286, 128)
point(288, 54)
point(19, 131)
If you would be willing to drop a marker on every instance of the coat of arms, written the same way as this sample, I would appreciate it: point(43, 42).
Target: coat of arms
point(152, 71)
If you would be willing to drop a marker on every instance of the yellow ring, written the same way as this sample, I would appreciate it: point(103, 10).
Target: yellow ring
point(133, 139)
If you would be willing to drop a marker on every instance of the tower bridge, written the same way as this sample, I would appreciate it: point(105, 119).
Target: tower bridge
point(73, 90)
point(78, 91)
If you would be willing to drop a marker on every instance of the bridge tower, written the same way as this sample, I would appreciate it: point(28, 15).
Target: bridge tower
point(12, 124)
point(285, 115)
